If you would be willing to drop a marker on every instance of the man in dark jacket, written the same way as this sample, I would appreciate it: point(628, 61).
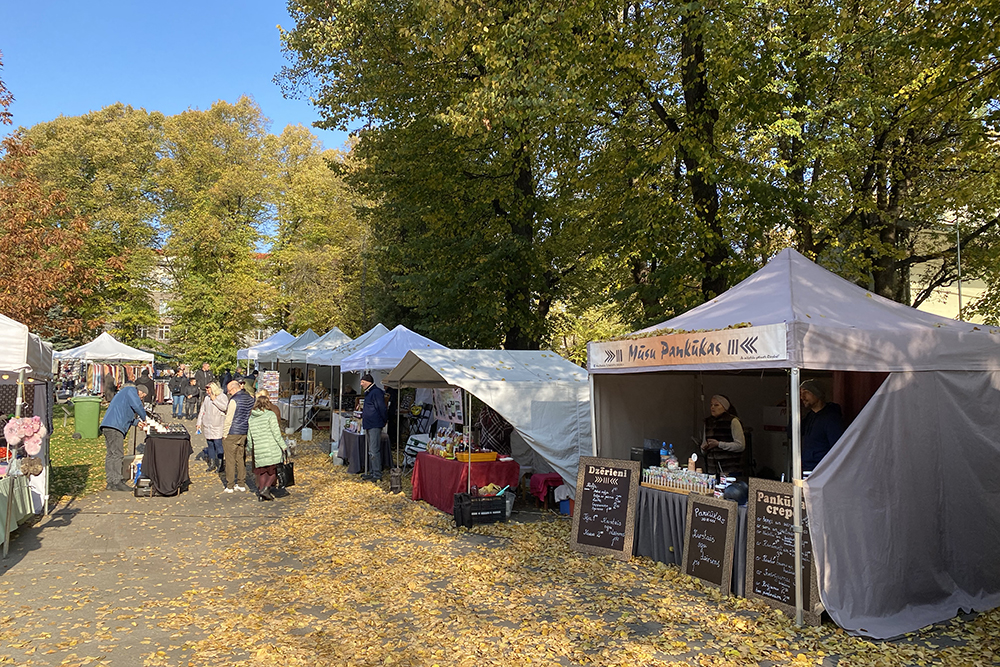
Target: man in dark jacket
point(204, 377)
point(822, 424)
point(146, 381)
point(125, 408)
point(373, 419)
point(192, 402)
point(235, 439)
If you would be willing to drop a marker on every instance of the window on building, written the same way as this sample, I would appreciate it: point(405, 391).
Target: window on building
point(163, 332)
point(164, 308)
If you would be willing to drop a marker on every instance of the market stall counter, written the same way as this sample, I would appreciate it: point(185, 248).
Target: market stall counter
point(165, 462)
point(436, 480)
point(660, 523)
point(354, 451)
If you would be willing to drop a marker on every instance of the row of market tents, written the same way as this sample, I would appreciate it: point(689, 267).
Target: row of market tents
point(904, 512)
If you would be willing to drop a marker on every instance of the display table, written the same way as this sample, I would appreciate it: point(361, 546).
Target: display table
point(354, 451)
point(661, 518)
point(165, 463)
point(436, 480)
point(294, 412)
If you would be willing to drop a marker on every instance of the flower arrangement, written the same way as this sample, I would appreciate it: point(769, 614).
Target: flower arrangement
point(26, 431)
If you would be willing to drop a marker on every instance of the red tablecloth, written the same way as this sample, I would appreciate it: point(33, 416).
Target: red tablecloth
point(437, 480)
point(540, 483)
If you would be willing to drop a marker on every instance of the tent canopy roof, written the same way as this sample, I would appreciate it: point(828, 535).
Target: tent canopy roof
point(272, 342)
point(333, 357)
point(387, 351)
point(300, 342)
point(444, 368)
point(106, 348)
point(22, 350)
point(834, 324)
point(328, 341)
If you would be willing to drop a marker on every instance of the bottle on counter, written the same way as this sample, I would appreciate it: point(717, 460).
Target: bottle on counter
point(672, 463)
point(664, 454)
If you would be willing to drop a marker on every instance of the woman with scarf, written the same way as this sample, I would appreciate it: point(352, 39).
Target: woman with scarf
point(723, 442)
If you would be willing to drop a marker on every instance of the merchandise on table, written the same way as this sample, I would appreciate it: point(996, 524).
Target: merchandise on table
point(154, 425)
point(679, 480)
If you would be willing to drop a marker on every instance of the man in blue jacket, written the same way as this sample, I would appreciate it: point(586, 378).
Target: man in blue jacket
point(822, 424)
point(373, 418)
point(124, 410)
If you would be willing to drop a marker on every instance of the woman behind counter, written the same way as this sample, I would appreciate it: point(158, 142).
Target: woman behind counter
point(723, 442)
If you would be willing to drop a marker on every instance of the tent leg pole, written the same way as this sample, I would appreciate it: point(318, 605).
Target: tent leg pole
point(468, 434)
point(593, 416)
point(797, 490)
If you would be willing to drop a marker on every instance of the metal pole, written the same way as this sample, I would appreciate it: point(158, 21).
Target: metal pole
point(593, 415)
point(468, 436)
point(797, 490)
point(958, 250)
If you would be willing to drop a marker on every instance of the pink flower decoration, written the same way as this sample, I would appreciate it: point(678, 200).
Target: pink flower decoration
point(33, 444)
point(12, 432)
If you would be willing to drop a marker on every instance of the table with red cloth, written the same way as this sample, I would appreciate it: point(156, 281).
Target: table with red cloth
point(436, 480)
point(540, 483)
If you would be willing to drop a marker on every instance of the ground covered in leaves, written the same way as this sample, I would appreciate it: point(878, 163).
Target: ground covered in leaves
point(341, 572)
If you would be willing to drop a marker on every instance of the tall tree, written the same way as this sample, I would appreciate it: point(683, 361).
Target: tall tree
point(42, 285)
point(106, 163)
point(316, 251)
point(216, 197)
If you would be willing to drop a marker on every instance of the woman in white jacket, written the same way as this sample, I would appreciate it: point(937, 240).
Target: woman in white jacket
point(212, 418)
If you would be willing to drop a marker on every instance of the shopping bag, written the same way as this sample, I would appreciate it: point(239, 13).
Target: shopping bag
point(286, 474)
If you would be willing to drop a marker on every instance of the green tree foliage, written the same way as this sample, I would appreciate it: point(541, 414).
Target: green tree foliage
point(315, 254)
point(105, 162)
point(213, 182)
point(536, 152)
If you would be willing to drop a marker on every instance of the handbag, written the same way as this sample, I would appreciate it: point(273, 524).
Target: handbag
point(286, 473)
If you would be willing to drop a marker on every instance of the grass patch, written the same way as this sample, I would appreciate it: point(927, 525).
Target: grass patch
point(77, 464)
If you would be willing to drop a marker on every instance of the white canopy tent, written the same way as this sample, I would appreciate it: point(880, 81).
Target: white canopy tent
point(333, 357)
point(543, 396)
point(386, 352)
point(272, 342)
point(328, 341)
point(273, 355)
point(106, 349)
point(916, 505)
point(26, 360)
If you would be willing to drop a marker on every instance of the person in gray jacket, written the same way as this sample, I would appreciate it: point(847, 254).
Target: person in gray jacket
point(211, 420)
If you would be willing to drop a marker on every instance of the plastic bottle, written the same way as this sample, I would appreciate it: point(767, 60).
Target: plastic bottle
point(664, 454)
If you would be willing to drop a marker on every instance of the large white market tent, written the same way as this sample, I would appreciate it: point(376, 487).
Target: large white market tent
point(272, 342)
point(543, 396)
point(22, 350)
point(328, 341)
point(904, 512)
point(105, 349)
point(333, 357)
point(386, 352)
point(272, 355)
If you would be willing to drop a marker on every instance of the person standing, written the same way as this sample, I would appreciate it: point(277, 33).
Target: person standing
point(373, 420)
point(235, 439)
point(226, 378)
point(724, 441)
point(176, 385)
point(203, 378)
point(191, 393)
point(123, 412)
point(266, 446)
point(822, 424)
point(108, 386)
point(211, 420)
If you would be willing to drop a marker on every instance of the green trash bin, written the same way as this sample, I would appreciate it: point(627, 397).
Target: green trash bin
point(88, 415)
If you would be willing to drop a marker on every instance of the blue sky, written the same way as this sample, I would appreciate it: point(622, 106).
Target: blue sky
point(68, 57)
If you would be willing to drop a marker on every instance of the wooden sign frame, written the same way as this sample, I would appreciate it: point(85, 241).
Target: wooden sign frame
point(587, 463)
point(731, 510)
point(812, 606)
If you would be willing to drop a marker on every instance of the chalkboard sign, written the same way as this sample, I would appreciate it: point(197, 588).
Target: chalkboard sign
point(771, 551)
point(604, 512)
point(709, 536)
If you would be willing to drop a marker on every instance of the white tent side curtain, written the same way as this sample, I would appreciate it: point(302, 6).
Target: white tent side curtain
point(22, 350)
